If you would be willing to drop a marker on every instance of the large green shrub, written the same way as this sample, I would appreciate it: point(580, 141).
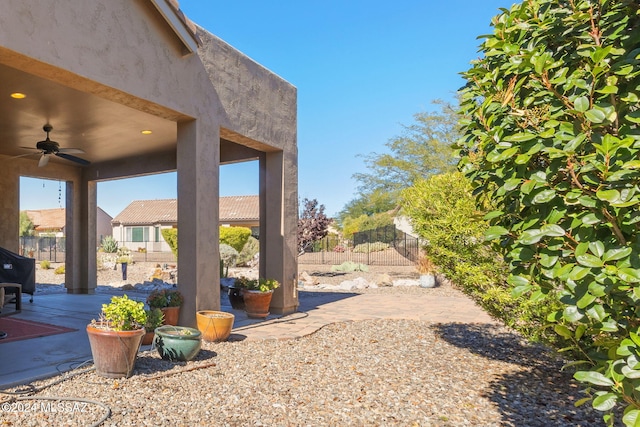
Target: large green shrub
point(443, 212)
point(170, 235)
point(552, 137)
point(236, 237)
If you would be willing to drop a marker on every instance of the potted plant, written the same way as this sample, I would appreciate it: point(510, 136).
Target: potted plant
point(257, 296)
point(169, 301)
point(155, 317)
point(177, 343)
point(215, 325)
point(124, 259)
point(116, 336)
point(427, 270)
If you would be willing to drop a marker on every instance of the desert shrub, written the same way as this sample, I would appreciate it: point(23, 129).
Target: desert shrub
point(349, 267)
point(248, 252)
point(45, 264)
point(443, 212)
point(170, 235)
point(364, 248)
point(236, 237)
point(59, 269)
point(228, 257)
point(109, 245)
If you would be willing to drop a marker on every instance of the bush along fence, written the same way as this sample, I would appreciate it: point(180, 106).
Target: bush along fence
point(381, 246)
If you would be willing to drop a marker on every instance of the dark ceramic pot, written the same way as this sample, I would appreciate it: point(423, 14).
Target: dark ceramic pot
point(235, 298)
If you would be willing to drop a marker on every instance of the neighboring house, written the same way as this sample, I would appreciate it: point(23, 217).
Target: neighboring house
point(139, 225)
point(52, 222)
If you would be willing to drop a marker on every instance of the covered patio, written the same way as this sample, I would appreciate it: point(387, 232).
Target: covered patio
point(103, 75)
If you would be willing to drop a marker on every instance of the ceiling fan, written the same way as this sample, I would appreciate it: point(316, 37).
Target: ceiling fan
point(48, 148)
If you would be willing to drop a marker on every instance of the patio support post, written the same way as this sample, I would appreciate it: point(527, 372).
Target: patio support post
point(278, 227)
point(80, 237)
point(198, 161)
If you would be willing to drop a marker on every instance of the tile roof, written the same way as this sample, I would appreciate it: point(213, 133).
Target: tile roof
point(148, 212)
point(232, 208)
point(47, 219)
point(235, 208)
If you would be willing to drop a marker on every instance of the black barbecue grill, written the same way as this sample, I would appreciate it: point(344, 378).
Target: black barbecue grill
point(17, 269)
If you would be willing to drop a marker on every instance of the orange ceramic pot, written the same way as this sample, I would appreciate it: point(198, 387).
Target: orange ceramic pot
point(215, 325)
point(114, 352)
point(256, 303)
point(171, 315)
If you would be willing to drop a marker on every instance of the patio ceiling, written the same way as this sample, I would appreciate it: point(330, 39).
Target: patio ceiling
point(106, 131)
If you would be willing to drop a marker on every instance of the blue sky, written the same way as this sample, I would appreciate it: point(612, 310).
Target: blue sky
point(362, 70)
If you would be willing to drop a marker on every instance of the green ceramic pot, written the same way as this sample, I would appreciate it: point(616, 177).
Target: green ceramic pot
point(177, 343)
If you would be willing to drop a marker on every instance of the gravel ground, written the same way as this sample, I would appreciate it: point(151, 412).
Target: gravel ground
point(370, 373)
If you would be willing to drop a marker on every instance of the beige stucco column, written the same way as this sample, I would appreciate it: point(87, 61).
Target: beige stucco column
point(9, 208)
point(278, 228)
point(80, 233)
point(198, 194)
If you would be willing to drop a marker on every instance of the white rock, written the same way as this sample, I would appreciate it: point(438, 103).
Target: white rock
point(405, 282)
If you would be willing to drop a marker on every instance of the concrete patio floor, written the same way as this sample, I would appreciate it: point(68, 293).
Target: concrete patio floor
point(32, 359)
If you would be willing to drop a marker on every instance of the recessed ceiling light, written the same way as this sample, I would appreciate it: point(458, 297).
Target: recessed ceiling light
point(146, 132)
point(18, 95)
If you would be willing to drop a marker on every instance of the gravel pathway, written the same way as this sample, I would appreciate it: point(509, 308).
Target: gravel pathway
point(369, 373)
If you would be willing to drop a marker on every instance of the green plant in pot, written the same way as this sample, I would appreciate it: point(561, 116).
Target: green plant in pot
point(257, 296)
point(116, 336)
point(155, 317)
point(169, 301)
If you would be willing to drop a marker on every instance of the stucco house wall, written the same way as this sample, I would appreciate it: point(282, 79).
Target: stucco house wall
point(138, 56)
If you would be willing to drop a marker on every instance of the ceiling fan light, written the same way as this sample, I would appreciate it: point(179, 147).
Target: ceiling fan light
point(18, 95)
point(146, 132)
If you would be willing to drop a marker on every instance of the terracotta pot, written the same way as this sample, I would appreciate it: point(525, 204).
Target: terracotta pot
point(215, 325)
point(256, 303)
point(147, 338)
point(114, 352)
point(235, 298)
point(177, 343)
point(171, 315)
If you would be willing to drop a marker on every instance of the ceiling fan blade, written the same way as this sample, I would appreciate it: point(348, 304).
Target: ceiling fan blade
point(70, 151)
point(29, 148)
point(73, 158)
point(43, 160)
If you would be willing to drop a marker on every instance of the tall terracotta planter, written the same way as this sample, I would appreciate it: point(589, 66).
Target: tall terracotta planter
point(215, 325)
point(114, 352)
point(256, 303)
point(171, 315)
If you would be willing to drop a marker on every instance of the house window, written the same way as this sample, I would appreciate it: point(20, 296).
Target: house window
point(137, 234)
point(157, 234)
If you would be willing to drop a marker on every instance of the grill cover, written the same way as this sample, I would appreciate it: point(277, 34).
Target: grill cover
point(18, 269)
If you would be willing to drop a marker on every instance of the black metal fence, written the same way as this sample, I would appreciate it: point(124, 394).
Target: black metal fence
point(43, 248)
point(381, 246)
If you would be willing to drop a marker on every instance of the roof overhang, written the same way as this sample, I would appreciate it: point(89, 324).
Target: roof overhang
point(178, 23)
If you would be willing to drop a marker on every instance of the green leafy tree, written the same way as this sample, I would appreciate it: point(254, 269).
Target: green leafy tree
point(27, 227)
point(551, 135)
point(423, 149)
